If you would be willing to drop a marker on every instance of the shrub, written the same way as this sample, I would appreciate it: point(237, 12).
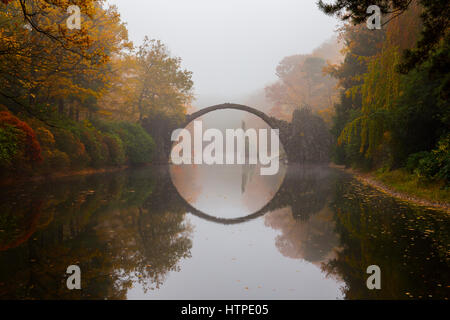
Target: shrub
point(433, 165)
point(95, 147)
point(442, 157)
point(9, 138)
point(54, 160)
point(427, 167)
point(45, 137)
point(413, 161)
point(139, 145)
point(20, 147)
point(116, 150)
point(68, 143)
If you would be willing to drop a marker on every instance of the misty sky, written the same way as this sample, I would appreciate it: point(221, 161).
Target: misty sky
point(231, 46)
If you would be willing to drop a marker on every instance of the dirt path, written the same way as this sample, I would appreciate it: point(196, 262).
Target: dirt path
point(368, 179)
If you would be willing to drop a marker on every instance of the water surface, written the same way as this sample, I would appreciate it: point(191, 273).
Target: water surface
point(135, 235)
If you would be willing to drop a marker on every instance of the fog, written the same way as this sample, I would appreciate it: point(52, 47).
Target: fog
point(233, 46)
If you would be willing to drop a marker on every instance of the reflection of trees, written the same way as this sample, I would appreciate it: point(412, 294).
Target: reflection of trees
point(118, 228)
point(409, 244)
point(17, 224)
point(305, 189)
point(313, 240)
point(301, 213)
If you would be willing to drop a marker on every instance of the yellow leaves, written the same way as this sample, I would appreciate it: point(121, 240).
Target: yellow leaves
point(353, 91)
point(381, 82)
point(379, 91)
point(65, 63)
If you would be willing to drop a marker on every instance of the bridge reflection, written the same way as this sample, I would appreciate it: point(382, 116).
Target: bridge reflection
point(306, 189)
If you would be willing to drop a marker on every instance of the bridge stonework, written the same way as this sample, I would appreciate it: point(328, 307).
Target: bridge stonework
point(284, 127)
point(308, 191)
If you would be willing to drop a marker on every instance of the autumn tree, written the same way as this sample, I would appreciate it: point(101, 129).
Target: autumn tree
point(162, 84)
point(45, 64)
point(302, 81)
point(435, 17)
point(377, 128)
point(152, 80)
point(360, 45)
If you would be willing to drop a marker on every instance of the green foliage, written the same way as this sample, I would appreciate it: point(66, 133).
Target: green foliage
point(94, 144)
point(394, 120)
point(139, 145)
point(433, 165)
point(20, 149)
point(442, 156)
point(421, 116)
point(95, 147)
point(115, 148)
point(362, 44)
point(9, 139)
point(379, 90)
point(413, 160)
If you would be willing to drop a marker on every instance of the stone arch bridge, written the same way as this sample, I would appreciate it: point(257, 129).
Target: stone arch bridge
point(287, 192)
point(284, 127)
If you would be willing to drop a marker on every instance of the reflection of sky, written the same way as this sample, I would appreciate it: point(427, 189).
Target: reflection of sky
point(217, 190)
point(227, 191)
point(241, 262)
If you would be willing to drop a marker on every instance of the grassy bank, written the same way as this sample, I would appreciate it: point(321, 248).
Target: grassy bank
point(404, 182)
point(402, 185)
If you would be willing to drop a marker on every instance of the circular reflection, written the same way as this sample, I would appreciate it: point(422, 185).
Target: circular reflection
point(228, 191)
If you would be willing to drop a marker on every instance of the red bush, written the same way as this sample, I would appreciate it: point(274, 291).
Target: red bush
point(32, 146)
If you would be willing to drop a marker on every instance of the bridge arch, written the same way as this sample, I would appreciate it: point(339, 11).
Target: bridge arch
point(231, 221)
point(269, 120)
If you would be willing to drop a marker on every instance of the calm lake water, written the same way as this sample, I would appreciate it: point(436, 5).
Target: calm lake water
point(226, 232)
